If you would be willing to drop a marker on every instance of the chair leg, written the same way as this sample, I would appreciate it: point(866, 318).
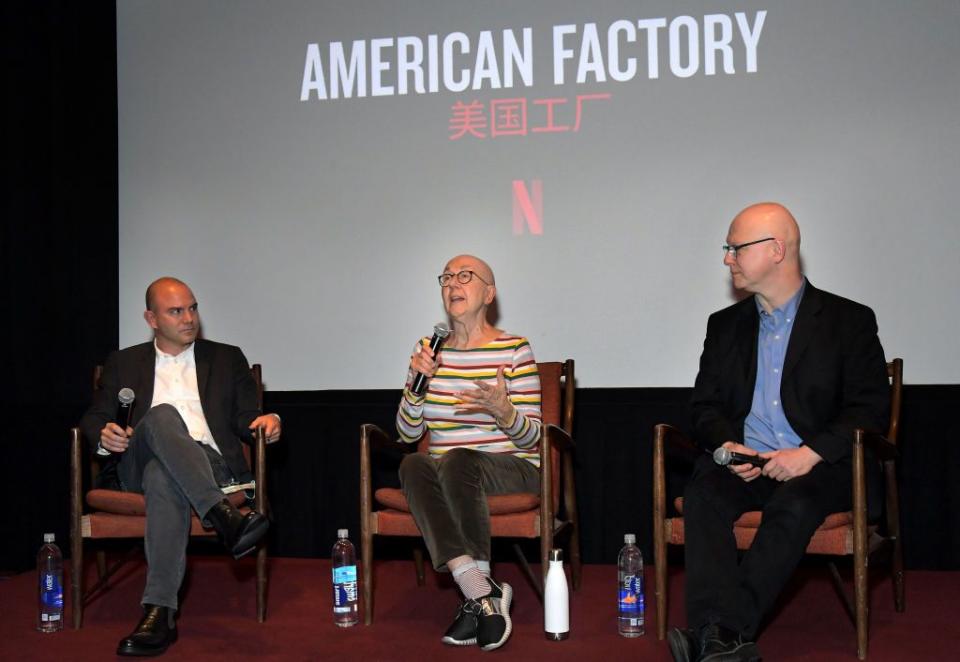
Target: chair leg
point(262, 583)
point(660, 581)
point(860, 599)
point(418, 564)
point(842, 592)
point(546, 544)
point(366, 569)
point(576, 565)
point(528, 571)
point(899, 596)
point(76, 582)
point(102, 566)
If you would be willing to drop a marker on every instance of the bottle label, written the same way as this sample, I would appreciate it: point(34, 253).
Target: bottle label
point(631, 596)
point(51, 592)
point(344, 587)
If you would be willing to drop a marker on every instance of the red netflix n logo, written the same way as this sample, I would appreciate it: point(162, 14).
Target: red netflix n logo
point(528, 206)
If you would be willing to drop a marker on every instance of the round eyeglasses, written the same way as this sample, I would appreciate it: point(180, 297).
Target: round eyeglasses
point(463, 277)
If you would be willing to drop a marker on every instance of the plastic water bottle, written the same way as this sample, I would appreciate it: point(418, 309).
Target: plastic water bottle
point(556, 600)
point(50, 577)
point(345, 609)
point(630, 588)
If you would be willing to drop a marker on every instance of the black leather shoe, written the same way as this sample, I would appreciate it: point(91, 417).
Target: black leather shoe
point(463, 631)
point(684, 645)
point(719, 644)
point(153, 634)
point(239, 533)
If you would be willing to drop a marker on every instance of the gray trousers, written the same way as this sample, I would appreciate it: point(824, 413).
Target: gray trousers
point(448, 498)
point(174, 473)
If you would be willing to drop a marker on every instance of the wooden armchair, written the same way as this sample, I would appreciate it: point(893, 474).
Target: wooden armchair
point(841, 534)
point(545, 516)
point(117, 514)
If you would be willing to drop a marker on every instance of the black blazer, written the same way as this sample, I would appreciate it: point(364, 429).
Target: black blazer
point(834, 375)
point(228, 396)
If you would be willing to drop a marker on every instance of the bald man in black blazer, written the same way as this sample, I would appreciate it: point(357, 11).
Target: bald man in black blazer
point(196, 402)
point(787, 374)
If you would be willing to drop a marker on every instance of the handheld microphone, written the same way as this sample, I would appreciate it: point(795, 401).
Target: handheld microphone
point(440, 331)
point(126, 397)
point(724, 456)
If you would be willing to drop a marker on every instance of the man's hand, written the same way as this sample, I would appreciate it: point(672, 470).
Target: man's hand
point(747, 472)
point(790, 463)
point(271, 426)
point(114, 438)
point(489, 399)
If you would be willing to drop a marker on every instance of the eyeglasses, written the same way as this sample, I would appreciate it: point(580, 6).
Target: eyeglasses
point(463, 277)
point(733, 249)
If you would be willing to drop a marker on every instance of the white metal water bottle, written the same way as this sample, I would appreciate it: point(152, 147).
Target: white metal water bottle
point(630, 588)
point(50, 579)
point(345, 610)
point(556, 600)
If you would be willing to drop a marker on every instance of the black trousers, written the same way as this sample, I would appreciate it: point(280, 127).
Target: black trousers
point(737, 593)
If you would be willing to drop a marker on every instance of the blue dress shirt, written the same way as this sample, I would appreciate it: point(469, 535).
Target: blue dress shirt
point(766, 427)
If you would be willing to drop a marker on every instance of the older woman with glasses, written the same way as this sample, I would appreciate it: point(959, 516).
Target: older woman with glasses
point(482, 408)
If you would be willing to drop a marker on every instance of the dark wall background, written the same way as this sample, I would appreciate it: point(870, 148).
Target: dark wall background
point(58, 249)
point(59, 255)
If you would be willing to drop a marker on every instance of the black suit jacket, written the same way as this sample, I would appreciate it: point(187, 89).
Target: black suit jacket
point(228, 396)
point(834, 375)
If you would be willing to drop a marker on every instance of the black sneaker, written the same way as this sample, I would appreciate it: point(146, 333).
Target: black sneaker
point(463, 631)
point(720, 644)
point(684, 645)
point(494, 625)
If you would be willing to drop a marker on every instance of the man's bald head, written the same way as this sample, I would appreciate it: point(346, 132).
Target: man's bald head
point(769, 219)
point(161, 284)
point(764, 253)
point(472, 263)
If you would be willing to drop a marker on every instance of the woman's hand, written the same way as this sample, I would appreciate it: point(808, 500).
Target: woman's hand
point(489, 399)
point(424, 361)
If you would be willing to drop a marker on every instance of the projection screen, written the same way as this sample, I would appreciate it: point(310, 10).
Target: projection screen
point(309, 167)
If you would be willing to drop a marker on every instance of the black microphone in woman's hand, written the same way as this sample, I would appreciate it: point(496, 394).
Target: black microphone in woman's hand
point(440, 331)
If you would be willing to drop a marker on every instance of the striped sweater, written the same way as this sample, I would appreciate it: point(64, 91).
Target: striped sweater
point(459, 370)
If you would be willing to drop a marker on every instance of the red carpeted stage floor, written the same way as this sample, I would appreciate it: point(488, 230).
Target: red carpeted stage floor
point(218, 618)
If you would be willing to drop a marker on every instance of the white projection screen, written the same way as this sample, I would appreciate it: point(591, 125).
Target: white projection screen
point(308, 168)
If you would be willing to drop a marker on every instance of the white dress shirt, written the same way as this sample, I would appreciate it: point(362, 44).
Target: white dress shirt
point(175, 383)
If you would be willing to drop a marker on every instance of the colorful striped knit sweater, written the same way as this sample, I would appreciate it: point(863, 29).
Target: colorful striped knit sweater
point(459, 370)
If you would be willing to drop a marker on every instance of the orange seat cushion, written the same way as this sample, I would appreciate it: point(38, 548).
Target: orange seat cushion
point(752, 519)
point(501, 504)
point(834, 536)
point(133, 503)
point(391, 522)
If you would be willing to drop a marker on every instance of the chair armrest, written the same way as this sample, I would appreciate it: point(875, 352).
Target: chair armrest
point(675, 443)
point(882, 448)
point(373, 437)
point(557, 437)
